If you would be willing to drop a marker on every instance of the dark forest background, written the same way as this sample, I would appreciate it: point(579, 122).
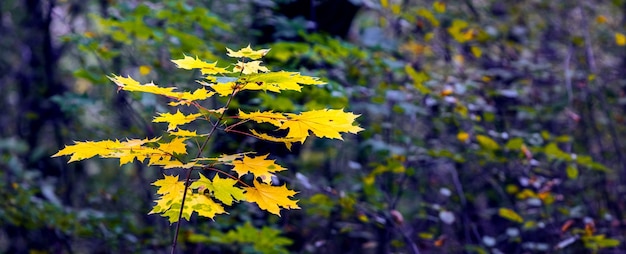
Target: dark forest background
point(490, 126)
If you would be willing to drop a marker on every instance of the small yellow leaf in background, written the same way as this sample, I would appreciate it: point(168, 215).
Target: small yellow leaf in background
point(144, 70)
point(591, 77)
point(470, 34)
point(510, 215)
point(384, 3)
point(462, 136)
point(572, 171)
point(457, 30)
point(620, 39)
point(458, 59)
point(487, 142)
point(439, 6)
point(418, 79)
point(601, 19)
point(414, 49)
point(363, 217)
point(395, 9)
point(446, 91)
point(430, 17)
point(477, 51)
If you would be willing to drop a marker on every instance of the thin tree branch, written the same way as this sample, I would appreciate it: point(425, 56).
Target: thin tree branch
point(189, 170)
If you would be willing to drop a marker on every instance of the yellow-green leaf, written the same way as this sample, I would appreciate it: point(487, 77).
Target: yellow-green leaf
point(418, 79)
point(168, 203)
point(223, 189)
point(572, 171)
point(487, 142)
point(510, 215)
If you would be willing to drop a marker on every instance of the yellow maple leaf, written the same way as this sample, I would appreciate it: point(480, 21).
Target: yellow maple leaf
point(176, 146)
point(324, 123)
point(271, 198)
point(250, 67)
point(127, 151)
point(223, 189)
point(170, 191)
point(225, 89)
point(163, 155)
point(176, 119)
point(131, 85)
point(169, 184)
point(85, 150)
point(271, 81)
point(279, 81)
point(260, 166)
point(198, 94)
point(248, 52)
point(189, 63)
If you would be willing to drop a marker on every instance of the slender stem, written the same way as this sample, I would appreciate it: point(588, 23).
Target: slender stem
point(206, 141)
point(180, 214)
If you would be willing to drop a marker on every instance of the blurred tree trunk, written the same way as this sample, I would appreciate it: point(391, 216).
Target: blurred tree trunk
point(333, 17)
point(35, 79)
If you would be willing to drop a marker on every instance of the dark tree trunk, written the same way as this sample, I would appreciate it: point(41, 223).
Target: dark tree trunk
point(333, 17)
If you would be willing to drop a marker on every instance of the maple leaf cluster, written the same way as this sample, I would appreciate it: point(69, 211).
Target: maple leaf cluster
point(225, 186)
